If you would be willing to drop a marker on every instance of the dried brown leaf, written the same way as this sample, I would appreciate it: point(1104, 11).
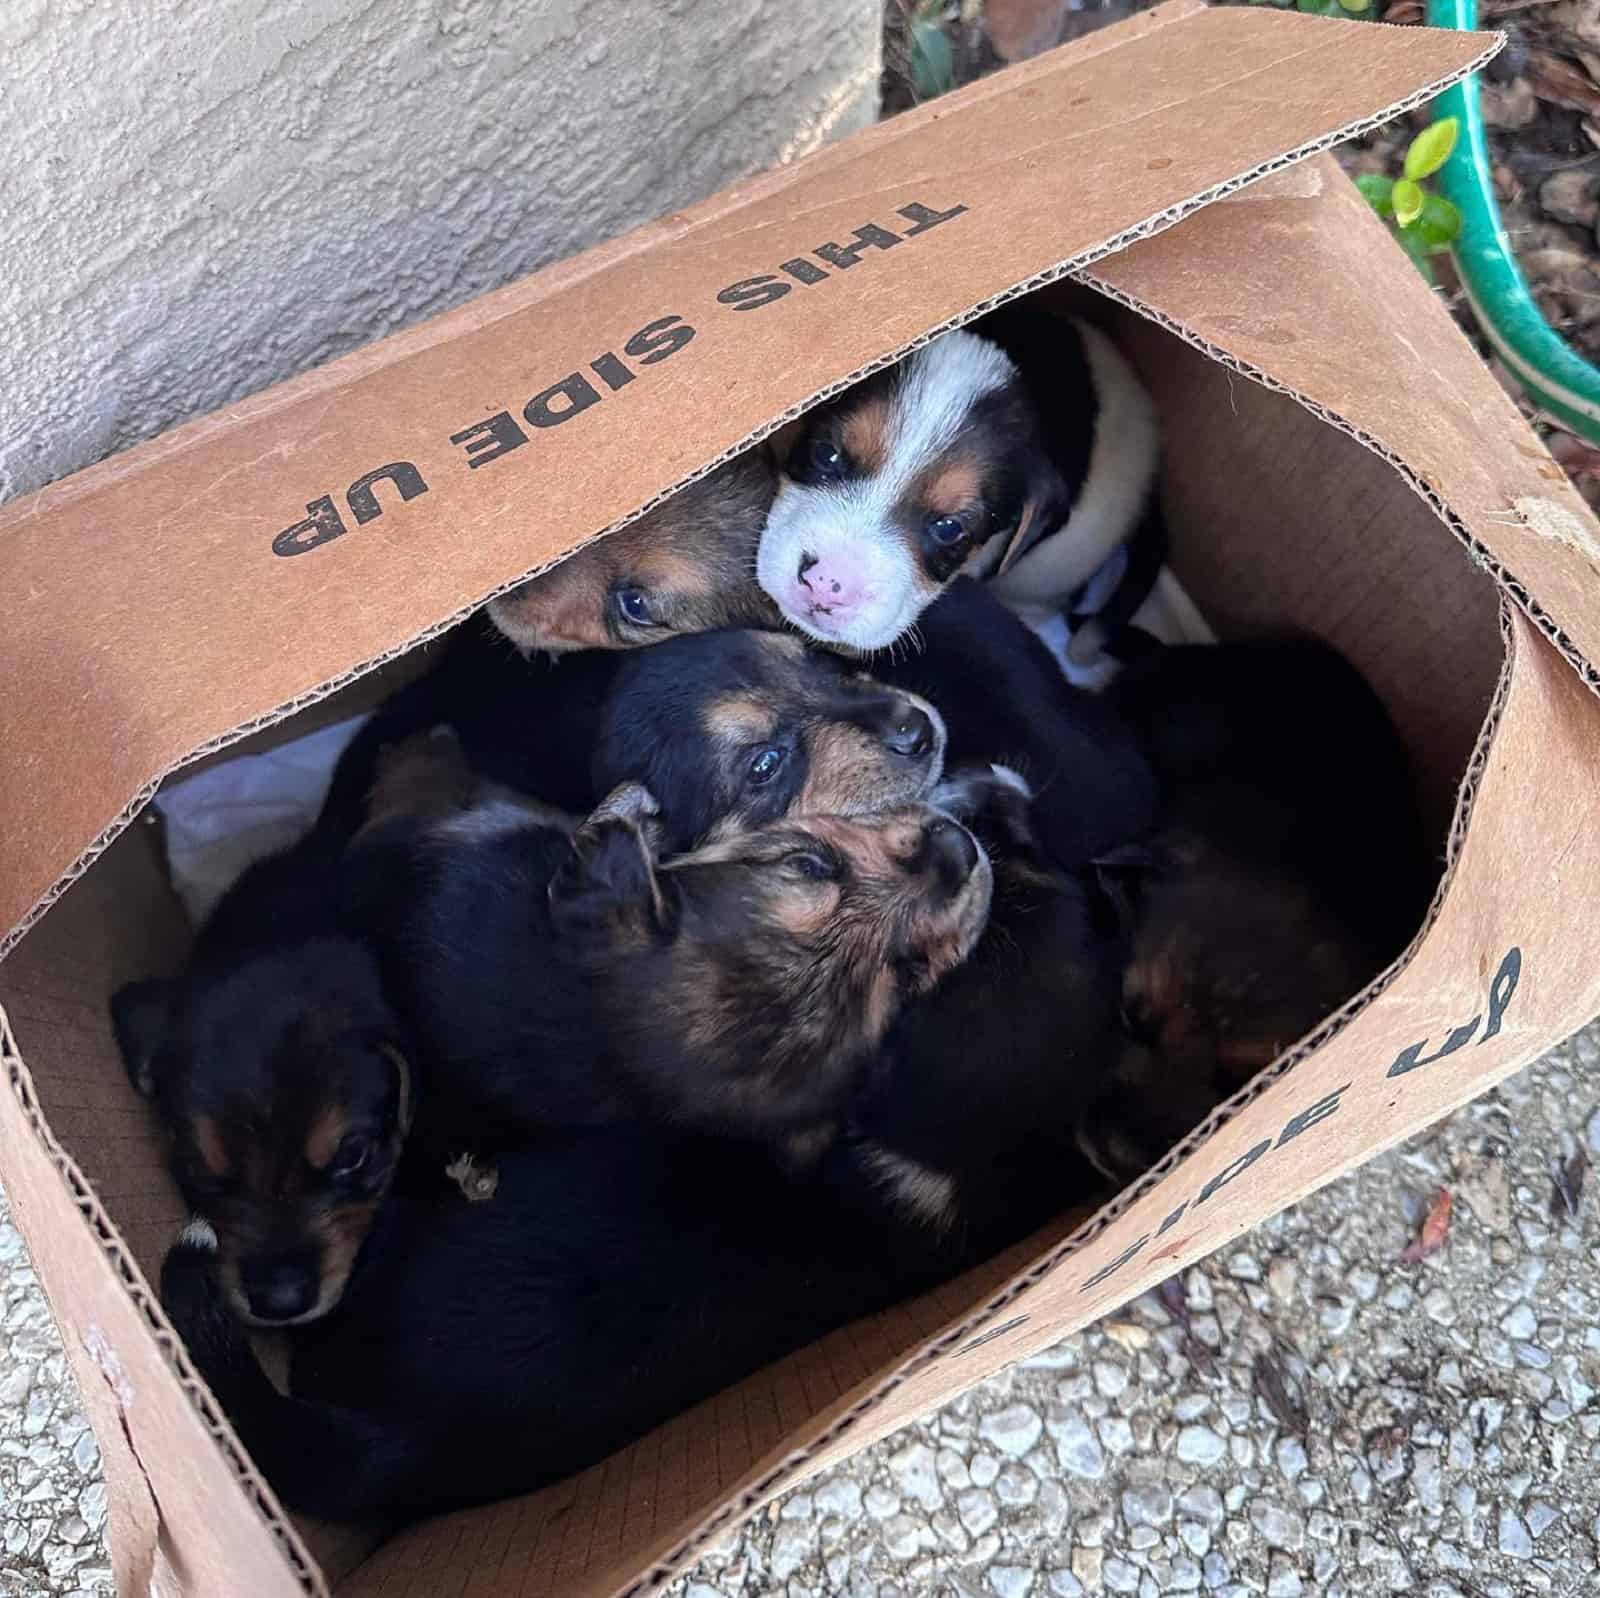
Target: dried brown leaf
point(1279, 1393)
point(1021, 28)
point(1568, 1188)
point(1435, 1228)
point(1174, 1298)
point(1560, 81)
point(1198, 1355)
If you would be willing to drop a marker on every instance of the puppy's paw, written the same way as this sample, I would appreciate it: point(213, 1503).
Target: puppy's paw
point(193, 1297)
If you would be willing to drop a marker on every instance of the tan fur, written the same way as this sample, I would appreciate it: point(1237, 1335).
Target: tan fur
point(865, 433)
point(826, 954)
point(955, 485)
point(212, 1150)
point(325, 1134)
point(737, 719)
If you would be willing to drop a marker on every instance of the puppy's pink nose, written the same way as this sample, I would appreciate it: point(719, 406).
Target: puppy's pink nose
point(828, 585)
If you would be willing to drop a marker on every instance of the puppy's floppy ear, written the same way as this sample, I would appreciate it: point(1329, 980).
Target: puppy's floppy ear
point(140, 1015)
point(608, 883)
point(1045, 506)
point(1123, 874)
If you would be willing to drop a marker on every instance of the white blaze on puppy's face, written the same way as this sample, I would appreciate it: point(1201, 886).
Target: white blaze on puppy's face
point(842, 550)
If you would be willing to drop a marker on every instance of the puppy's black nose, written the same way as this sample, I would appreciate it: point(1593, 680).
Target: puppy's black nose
point(951, 853)
point(278, 1289)
point(909, 732)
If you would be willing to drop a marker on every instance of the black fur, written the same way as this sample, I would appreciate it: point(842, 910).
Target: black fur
point(1288, 868)
point(620, 1275)
point(1004, 700)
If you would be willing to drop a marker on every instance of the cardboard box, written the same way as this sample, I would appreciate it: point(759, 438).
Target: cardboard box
point(1336, 456)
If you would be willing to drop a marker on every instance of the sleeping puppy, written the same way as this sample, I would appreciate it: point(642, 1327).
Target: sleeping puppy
point(1287, 870)
point(687, 566)
point(1022, 449)
point(559, 979)
point(622, 1274)
point(281, 1076)
point(1005, 702)
point(725, 729)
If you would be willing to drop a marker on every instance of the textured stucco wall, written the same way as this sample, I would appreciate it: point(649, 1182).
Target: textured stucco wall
point(204, 196)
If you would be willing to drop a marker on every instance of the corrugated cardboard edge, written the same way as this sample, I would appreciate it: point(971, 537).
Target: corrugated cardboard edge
point(1075, 266)
point(138, 1291)
point(777, 1474)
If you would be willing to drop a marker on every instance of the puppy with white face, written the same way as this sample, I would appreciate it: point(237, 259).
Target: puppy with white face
point(1023, 451)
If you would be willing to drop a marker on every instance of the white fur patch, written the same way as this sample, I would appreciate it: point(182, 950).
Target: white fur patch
point(200, 1234)
point(499, 817)
point(852, 523)
point(1122, 468)
point(1012, 779)
point(916, 1190)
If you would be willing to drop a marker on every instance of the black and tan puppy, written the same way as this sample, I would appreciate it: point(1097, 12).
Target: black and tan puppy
point(277, 1069)
point(1287, 870)
point(687, 566)
point(726, 729)
point(559, 979)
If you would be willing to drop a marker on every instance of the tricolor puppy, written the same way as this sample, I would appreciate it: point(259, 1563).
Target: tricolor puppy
point(1022, 450)
point(686, 566)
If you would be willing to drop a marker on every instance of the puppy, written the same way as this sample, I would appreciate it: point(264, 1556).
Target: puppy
point(279, 1072)
point(1004, 702)
point(623, 1274)
point(725, 729)
point(561, 981)
point(1022, 449)
point(978, 1143)
point(1287, 870)
point(733, 730)
point(686, 566)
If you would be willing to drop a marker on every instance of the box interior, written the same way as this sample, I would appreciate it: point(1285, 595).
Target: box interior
point(1277, 520)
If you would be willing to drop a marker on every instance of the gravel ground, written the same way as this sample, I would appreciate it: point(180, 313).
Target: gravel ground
point(1335, 1421)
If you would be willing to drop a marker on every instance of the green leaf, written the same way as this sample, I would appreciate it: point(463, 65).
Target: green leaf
point(1431, 148)
point(1355, 6)
point(1439, 223)
point(933, 65)
point(1378, 192)
point(1417, 250)
point(1408, 200)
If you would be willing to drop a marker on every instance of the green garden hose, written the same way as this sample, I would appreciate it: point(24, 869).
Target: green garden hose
point(1555, 376)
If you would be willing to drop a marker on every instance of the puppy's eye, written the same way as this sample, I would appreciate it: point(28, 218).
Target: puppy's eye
point(353, 1156)
point(825, 460)
point(945, 531)
point(813, 865)
point(633, 605)
point(765, 767)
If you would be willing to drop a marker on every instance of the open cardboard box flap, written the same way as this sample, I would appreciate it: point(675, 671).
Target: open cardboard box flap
point(1051, 165)
point(229, 573)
